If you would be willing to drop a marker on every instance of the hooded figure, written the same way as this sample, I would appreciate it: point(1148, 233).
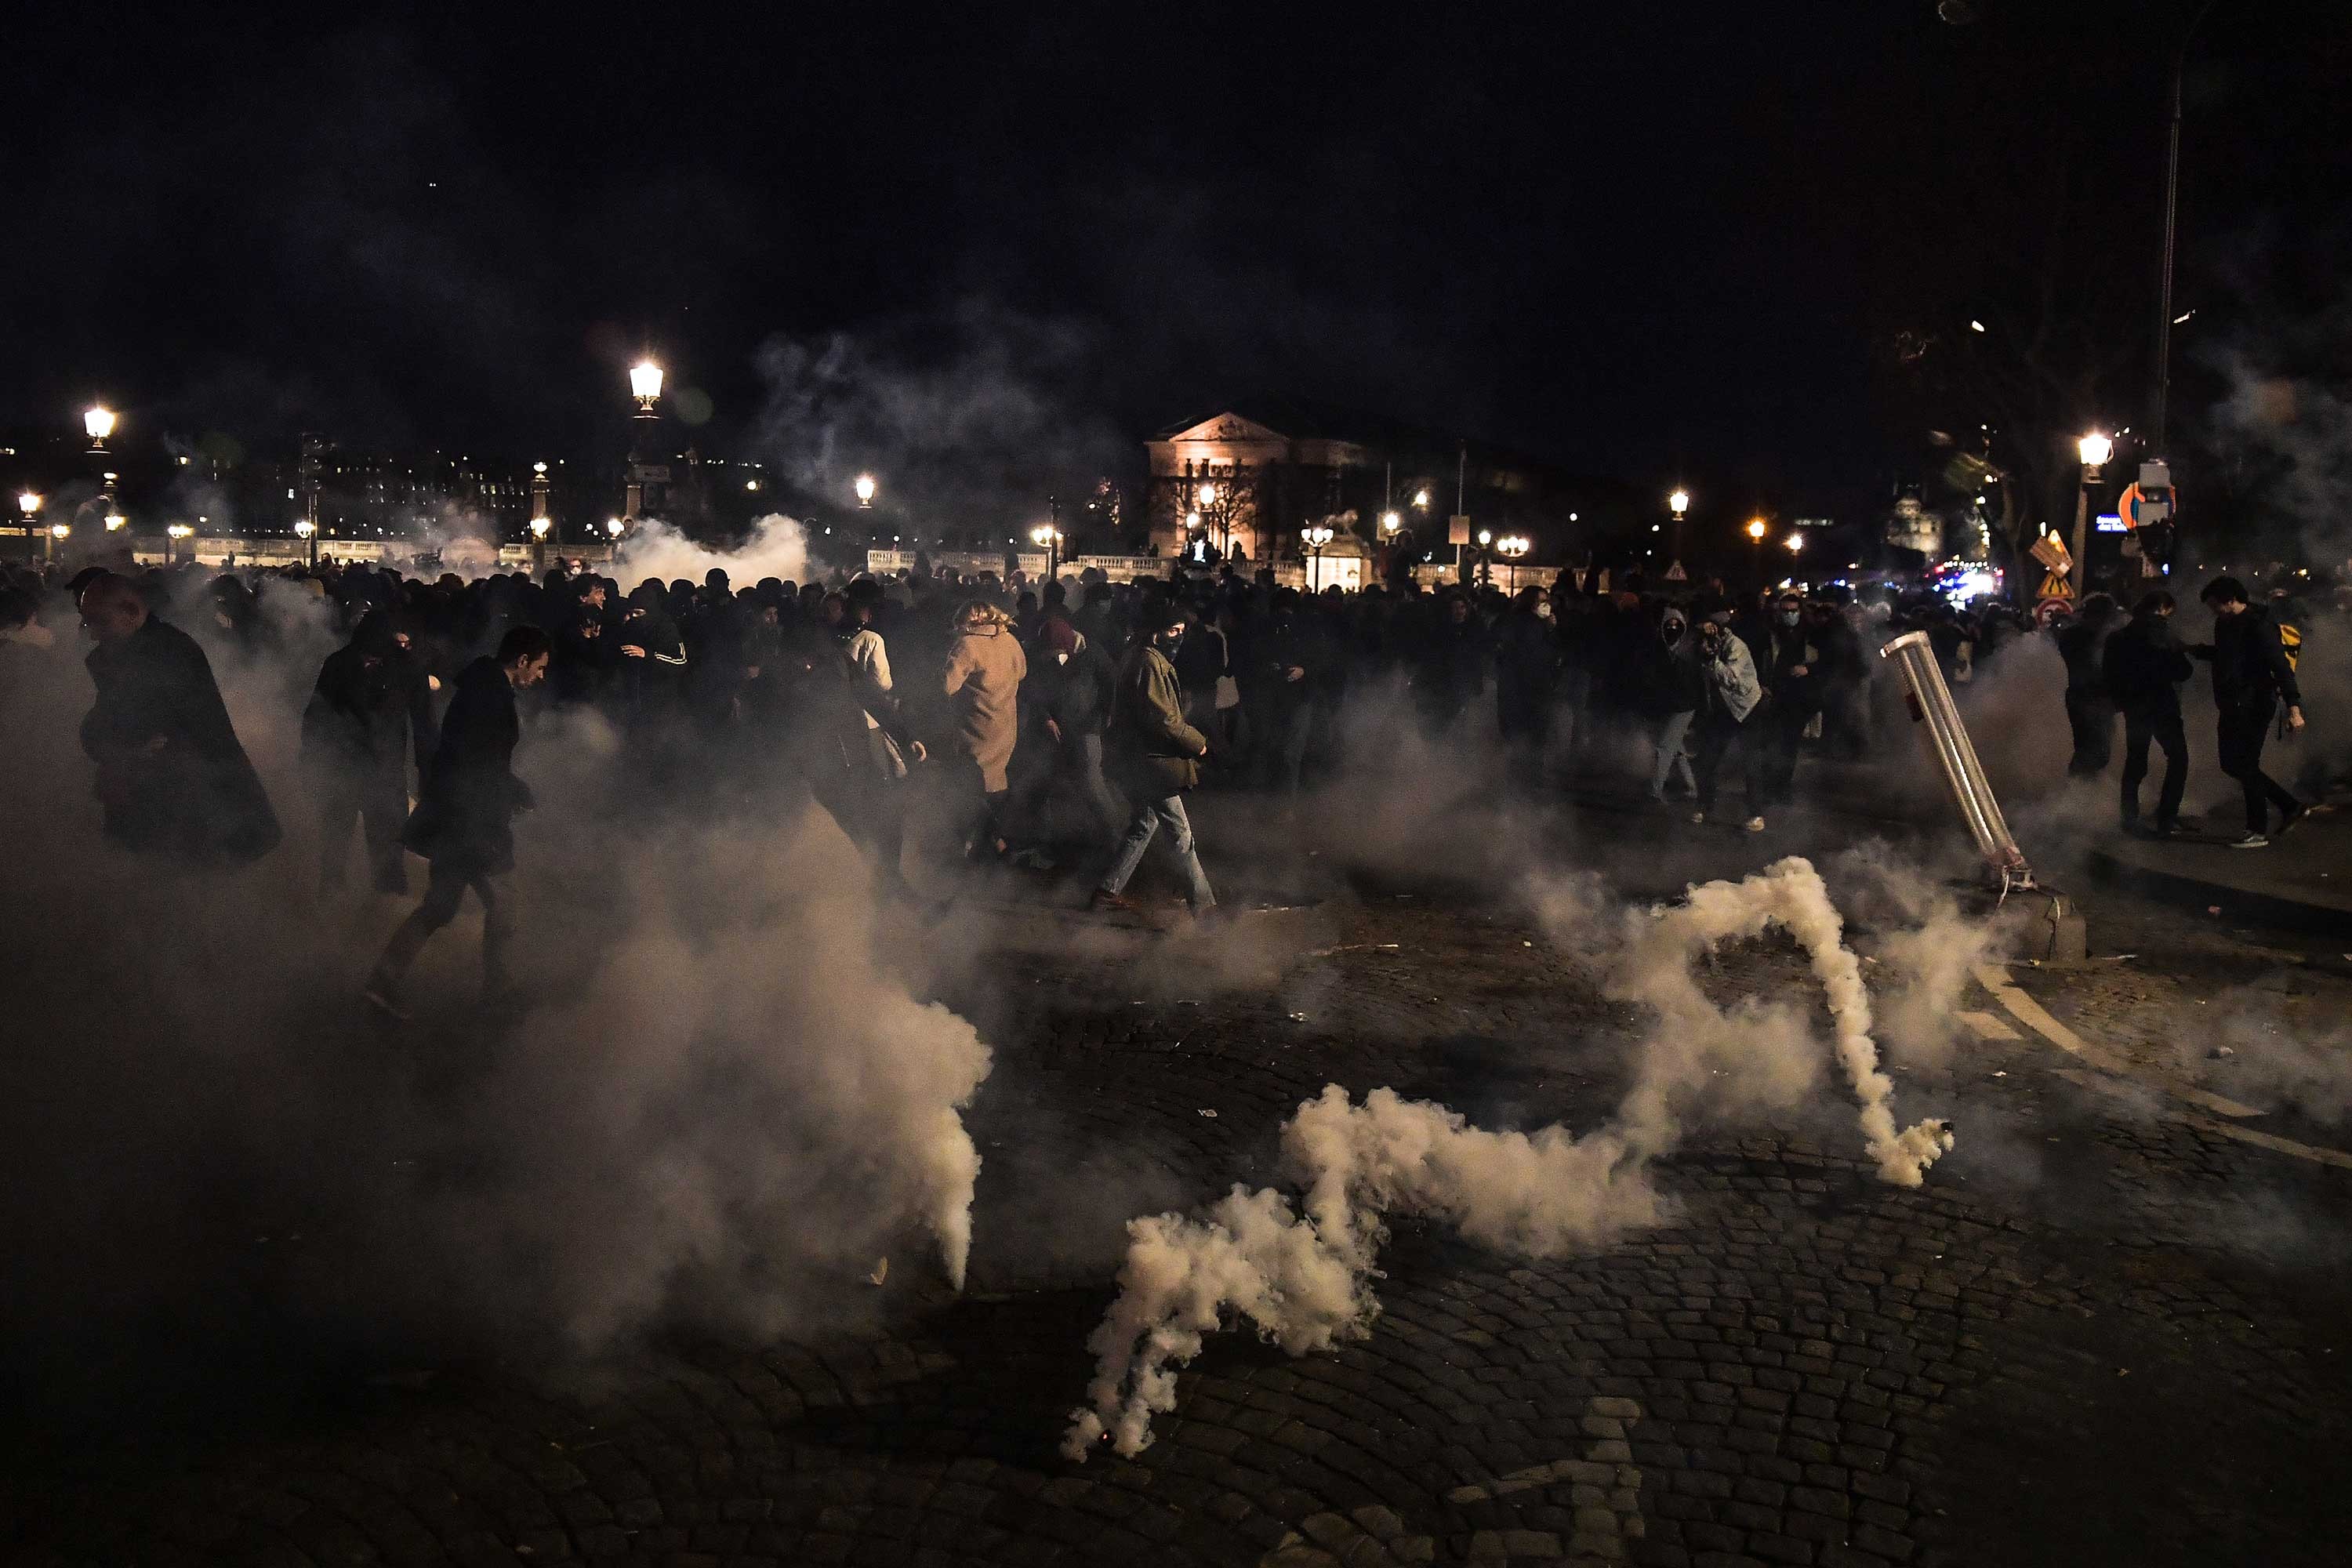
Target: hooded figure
point(982, 683)
point(171, 775)
point(372, 703)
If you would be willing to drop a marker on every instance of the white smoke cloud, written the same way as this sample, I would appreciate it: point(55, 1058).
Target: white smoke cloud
point(777, 546)
point(1303, 1277)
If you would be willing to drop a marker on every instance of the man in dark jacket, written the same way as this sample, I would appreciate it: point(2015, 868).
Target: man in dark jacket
point(371, 702)
point(174, 781)
point(2142, 669)
point(1157, 757)
point(1075, 684)
point(464, 820)
point(1781, 647)
point(2090, 713)
point(1453, 659)
point(2251, 679)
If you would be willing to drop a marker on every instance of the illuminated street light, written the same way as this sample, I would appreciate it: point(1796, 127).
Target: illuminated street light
point(98, 422)
point(1756, 529)
point(613, 525)
point(1390, 522)
point(539, 468)
point(28, 502)
point(116, 522)
point(1317, 536)
point(1678, 503)
point(1191, 520)
point(60, 531)
point(179, 530)
point(865, 491)
point(2096, 449)
point(1209, 495)
point(1796, 542)
point(1421, 499)
point(750, 484)
point(538, 526)
point(304, 528)
point(645, 385)
point(1048, 538)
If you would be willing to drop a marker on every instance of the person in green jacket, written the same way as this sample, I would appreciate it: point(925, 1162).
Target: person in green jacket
point(1155, 758)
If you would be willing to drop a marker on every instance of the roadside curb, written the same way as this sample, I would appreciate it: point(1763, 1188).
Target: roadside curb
point(2235, 902)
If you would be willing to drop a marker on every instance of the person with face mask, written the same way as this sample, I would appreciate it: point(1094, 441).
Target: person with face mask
point(1730, 696)
point(1787, 664)
point(1668, 696)
point(1156, 757)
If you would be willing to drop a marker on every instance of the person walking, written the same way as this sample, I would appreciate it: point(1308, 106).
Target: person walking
point(1731, 694)
point(173, 777)
point(1667, 690)
point(464, 820)
point(371, 712)
point(2142, 669)
point(2251, 678)
point(2090, 712)
point(982, 682)
point(1156, 757)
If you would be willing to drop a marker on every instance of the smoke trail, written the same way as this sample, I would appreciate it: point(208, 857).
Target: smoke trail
point(1657, 969)
point(1304, 1280)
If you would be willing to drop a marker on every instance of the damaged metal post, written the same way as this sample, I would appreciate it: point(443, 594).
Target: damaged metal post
point(1931, 704)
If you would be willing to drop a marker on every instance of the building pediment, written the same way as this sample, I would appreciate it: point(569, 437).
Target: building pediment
point(1224, 429)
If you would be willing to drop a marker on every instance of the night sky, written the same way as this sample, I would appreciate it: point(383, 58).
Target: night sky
point(1638, 241)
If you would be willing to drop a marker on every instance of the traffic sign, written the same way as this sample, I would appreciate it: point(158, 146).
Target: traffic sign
point(1675, 574)
point(1457, 528)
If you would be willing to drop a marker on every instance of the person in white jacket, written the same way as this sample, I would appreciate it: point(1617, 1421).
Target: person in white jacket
point(1728, 713)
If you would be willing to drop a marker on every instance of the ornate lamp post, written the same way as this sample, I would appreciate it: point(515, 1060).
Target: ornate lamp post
point(1512, 547)
point(1317, 535)
point(307, 532)
point(28, 502)
point(174, 535)
point(1679, 506)
point(1049, 539)
point(1756, 538)
point(539, 527)
point(865, 489)
point(644, 385)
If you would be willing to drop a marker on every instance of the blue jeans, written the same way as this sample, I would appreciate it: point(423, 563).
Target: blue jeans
point(1141, 827)
point(1672, 756)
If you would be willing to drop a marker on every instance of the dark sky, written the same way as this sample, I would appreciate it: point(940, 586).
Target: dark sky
point(1636, 238)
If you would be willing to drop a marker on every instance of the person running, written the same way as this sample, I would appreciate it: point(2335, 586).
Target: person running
point(464, 821)
point(2251, 678)
point(2141, 669)
point(1157, 757)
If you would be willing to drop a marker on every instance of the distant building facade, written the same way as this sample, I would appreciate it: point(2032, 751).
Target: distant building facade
point(1247, 480)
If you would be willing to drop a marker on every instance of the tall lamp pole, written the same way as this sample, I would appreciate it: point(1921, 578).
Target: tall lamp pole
point(2172, 227)
point(644, 385)
point(1678, 504)
point(2094, 449)
point(1756, 538)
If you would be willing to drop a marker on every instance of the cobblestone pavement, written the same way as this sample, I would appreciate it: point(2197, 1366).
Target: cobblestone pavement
point(2098, 1334)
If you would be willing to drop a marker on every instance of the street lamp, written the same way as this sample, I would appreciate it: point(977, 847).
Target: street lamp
point(173, 535)
point(1796, 542)
point(2094, 450)
point(97, 423)
point(1421, 499)
point(866, 492)
point(1050, 538)
point(539, 527)
point(1317, 536)
point(644, 385)
point(307, 532)
point(613, 525)
point(1756, 537)
point(1677, 503)
point(1513, 546)
point(116, 522)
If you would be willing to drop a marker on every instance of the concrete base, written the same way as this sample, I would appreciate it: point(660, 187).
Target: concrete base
point(2038, 925)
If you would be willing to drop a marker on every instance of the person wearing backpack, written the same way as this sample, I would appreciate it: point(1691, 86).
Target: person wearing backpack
point(2252, 676)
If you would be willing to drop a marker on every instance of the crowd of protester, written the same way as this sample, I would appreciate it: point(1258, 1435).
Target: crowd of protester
point(1061, 724)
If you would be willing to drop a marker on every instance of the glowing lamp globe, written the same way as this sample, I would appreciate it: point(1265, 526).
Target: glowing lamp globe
point(2096, 449)
point(99, 422)
point(1678, 503)
point(1755, 530)
point(644, 382)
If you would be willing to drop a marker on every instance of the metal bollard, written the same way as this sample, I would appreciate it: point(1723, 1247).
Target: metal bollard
point(1931, 703)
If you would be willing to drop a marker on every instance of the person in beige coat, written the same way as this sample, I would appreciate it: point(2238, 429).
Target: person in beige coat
point(982, 682)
